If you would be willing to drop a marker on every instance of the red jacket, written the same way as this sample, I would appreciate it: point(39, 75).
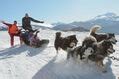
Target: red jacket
point(12, 28)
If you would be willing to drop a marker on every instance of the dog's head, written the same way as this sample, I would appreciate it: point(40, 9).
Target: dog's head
point(89, 45)
point(73, 40)
point(70, 41)
point(58, 34)
point(108, 47)
point(111, 37)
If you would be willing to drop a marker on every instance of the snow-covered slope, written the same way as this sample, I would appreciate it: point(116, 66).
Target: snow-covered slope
point(23, 62)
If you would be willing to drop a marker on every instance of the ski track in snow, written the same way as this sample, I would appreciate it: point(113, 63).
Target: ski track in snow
point(24, 62)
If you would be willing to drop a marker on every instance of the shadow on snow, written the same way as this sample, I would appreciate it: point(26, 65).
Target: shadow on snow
point(70, 70)
point(15, 50)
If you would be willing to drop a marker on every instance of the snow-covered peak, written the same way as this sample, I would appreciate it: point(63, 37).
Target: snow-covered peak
point(58, 23)
point(107, 16)
point(110, 14)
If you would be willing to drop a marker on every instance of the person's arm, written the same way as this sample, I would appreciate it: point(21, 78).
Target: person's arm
point(6, 23)
point(36, 20)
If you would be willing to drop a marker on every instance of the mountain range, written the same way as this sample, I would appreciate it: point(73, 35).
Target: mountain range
point(109, 23)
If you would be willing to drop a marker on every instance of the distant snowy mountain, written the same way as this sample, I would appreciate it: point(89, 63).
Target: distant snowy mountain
point(68, 27)
point(63, 26)
point(108, 21)
point(58, 23)
point(107, 16)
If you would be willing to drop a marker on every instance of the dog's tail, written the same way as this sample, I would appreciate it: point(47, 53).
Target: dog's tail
point(94, 29)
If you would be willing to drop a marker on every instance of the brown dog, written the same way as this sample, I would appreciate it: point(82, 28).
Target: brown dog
point(65, 42)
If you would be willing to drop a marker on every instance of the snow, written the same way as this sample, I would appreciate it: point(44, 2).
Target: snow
point(24, 62)
point(44, 24)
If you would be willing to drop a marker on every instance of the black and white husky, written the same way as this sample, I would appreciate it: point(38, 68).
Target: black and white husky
point(105, 36)
point(87, 48)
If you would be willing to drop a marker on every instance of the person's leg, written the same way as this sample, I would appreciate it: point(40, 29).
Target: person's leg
point(12, 39)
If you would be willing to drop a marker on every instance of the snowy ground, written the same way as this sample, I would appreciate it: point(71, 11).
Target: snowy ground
point(23, 62)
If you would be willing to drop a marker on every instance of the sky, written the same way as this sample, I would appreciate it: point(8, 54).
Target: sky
point(52, 11)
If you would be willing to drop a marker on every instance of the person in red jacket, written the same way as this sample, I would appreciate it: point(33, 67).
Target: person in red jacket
point(13, 31)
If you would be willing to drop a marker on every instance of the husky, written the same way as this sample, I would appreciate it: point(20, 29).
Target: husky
point(66, 43)
point(87, 48)
point(103, 49)
point(105, 36)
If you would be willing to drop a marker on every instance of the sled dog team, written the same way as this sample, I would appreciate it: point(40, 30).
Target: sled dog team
point(95, 47)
